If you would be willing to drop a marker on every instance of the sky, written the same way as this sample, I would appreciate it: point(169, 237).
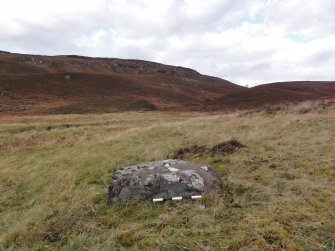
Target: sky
point(248, 42)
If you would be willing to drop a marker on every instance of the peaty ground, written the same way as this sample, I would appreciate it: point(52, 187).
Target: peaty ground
point(280, 192)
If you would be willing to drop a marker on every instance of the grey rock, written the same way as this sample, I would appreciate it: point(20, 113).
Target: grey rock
point(201, 206)
point(137, 66)
point(163, 179)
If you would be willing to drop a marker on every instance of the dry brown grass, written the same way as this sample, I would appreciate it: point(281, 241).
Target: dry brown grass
point(280, 193)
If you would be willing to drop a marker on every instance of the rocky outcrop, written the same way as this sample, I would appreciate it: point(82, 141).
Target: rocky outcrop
point(116, 65)
point(139, 66)
point(163, 179)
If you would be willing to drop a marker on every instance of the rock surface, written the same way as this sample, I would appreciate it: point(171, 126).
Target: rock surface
point(163, 179)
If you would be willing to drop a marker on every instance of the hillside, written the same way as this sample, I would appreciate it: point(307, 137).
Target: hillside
point(276, 94)
point(55, 170)
point(32, 84)
point(71, 84)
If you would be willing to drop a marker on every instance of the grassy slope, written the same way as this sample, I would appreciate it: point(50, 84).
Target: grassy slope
point(55, 170)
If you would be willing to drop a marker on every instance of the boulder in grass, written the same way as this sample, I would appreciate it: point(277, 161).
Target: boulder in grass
point(163, 179)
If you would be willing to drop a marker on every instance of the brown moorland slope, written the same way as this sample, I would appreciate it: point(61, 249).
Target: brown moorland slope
point(33, 84)
point(74, 84)
point(276, 94)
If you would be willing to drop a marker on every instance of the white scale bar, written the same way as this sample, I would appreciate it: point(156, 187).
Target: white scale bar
point(177, 198)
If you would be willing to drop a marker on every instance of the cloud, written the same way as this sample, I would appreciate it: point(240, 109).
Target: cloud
point(313, 17)
point(244, 41)
point(93, 40)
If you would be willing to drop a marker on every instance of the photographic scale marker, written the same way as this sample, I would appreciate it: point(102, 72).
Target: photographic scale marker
point(194, 197)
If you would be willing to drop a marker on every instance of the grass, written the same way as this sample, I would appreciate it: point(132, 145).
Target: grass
point(279, 195)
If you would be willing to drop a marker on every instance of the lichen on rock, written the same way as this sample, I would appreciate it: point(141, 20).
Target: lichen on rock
point(163, 179)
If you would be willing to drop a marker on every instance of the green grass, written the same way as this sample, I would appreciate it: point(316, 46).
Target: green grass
point(279, 195)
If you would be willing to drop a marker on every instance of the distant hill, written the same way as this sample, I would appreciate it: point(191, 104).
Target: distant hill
point(275, 94)
point(33, 84)
point(75, 84)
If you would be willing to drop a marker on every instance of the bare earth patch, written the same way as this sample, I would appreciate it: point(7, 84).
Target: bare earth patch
point(224, 148)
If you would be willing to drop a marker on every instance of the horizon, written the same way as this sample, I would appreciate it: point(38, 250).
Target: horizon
point(248, 86)
point(247, 43)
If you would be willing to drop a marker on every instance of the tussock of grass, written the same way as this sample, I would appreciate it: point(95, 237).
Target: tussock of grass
point(279, 194)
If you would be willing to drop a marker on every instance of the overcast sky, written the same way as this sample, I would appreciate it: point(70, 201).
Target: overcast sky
point(244, 41)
